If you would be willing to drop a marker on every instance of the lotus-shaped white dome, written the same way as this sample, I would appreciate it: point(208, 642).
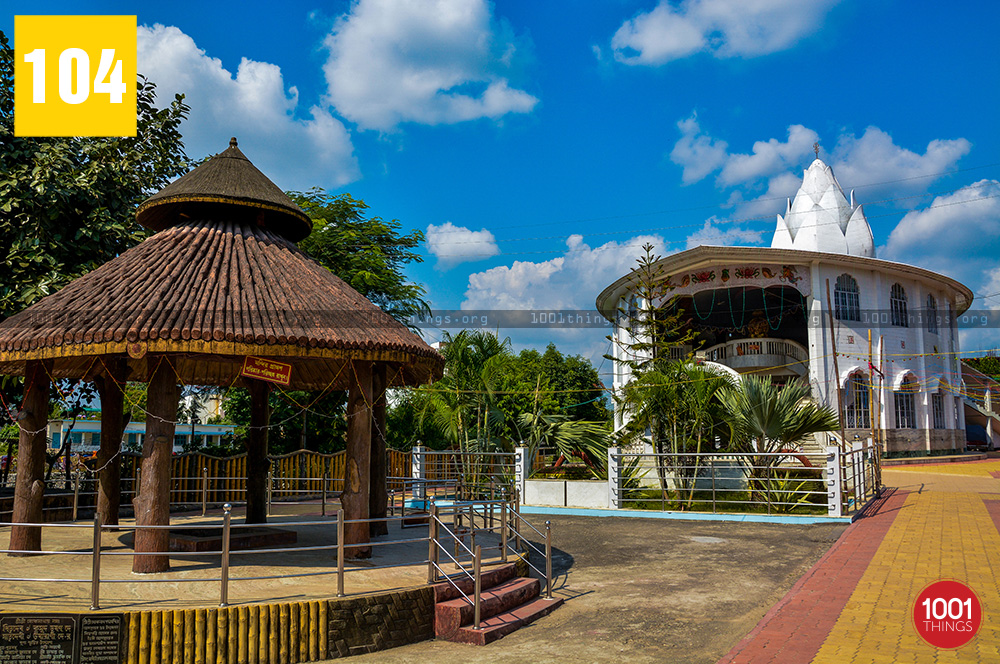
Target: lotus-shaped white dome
point(820, 218)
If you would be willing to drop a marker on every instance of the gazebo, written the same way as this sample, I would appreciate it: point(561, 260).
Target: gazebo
point(220, 295)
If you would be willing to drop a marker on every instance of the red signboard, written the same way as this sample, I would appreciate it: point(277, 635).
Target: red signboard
point(269, 370)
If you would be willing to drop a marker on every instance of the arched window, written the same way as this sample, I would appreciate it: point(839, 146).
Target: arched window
point(857, 412)
point(846, 300)
point(932, 319)
point(937, 410)
point(897, 302)
point(906, 406)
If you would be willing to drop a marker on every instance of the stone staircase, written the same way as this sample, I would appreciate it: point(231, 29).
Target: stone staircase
point(507, 602)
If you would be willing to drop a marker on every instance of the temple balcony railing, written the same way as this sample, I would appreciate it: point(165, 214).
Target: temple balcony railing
point(766, 356)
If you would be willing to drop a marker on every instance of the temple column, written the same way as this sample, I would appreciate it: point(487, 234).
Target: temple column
point(358, 468)
point(152, 504)
point(110, 389)
point(378, 499)
point(29, 488)
point(257, 462)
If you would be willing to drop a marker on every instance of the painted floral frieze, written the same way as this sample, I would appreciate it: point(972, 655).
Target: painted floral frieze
point(788, 274)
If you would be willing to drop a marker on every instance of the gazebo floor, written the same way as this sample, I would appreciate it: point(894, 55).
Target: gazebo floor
point(193, 580)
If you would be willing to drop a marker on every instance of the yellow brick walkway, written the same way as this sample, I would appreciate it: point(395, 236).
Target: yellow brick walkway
point(938, 533)
point(971, 469)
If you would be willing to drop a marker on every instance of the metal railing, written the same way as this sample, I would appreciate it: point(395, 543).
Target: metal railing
point(468, 518)
point(775, 482)
point(862, 476)
point(474, 518)
point(482, 474)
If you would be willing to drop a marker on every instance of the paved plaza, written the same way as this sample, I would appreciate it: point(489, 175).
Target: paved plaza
point(650, 594)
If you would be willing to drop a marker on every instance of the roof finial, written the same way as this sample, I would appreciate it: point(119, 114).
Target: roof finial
point(815, 148)
point(232, 142)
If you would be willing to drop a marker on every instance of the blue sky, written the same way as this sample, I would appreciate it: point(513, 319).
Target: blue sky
point(539, 144)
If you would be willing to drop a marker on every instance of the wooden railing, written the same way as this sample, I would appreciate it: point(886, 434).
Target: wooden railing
point(299, 472)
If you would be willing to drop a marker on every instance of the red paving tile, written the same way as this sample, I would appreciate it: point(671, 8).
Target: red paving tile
point(794, 629)
point(993, 507)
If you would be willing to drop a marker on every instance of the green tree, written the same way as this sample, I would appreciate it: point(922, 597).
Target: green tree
point(299, 419)
point(464, 404)
point(766, 419)
point(678, 405)
point(368, 253)
point(988, 364)
point(651, 326)
point(67, 204)
point(558, 383)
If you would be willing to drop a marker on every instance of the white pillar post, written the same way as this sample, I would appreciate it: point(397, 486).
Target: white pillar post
point(418, 471)
point(614, 478)
point(834, 504)
point(522, 469)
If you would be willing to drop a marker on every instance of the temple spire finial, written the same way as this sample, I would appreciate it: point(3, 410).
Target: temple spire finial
point(816, 149)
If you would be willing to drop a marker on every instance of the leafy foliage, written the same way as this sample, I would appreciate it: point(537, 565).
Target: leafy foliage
point(490, 399)
point(655, 327)
point(67, 204)
point(989, 365)
point(320, 428)
point(368, 253)
point(766, 419)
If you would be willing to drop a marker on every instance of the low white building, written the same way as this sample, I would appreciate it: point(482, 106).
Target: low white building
point(765, 310)
point(86, 434)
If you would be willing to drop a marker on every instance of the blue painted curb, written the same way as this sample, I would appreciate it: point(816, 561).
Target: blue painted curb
point(683, 516)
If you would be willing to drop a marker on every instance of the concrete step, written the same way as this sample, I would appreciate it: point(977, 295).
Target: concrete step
point(503, 624)
point(492, 576)
point(451, 615)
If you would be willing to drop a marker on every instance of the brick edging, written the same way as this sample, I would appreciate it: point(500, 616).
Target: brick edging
point(768, 639)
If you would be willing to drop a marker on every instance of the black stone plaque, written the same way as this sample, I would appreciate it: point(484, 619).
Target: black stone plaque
point(27, 638)
point(60, 638)
point(102, 636)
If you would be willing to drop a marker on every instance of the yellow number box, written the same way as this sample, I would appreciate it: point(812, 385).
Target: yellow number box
point(74, 75)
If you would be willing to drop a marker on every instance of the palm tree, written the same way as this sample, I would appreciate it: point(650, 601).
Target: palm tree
point(677, 405)
point(588, 441)
point(765, 418)
point(463, 403)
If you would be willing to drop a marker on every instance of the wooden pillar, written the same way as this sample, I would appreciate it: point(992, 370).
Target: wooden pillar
point(29, 487)
point(378, 500)
point(109, 388)
point(257, 462)
point(359, 448)
point(152, 504)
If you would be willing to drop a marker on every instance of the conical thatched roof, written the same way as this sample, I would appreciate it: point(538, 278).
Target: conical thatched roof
point(208, 292)
point(227, 179)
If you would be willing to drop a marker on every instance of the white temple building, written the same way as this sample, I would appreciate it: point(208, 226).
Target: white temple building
point(765, 310)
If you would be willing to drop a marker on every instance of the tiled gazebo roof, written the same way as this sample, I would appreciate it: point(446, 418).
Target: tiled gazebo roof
point(214, 286)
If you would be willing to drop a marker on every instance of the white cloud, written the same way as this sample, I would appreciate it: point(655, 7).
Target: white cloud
point(769, 157)
point(723, 235)
point(875, 158)
point(867, 161)
point(569, 281)
point(431, 62)
point(958, 234)
point(724, 28)
point(452, 244)
point(696, 152)
point(958, 229)
point(254, 105)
